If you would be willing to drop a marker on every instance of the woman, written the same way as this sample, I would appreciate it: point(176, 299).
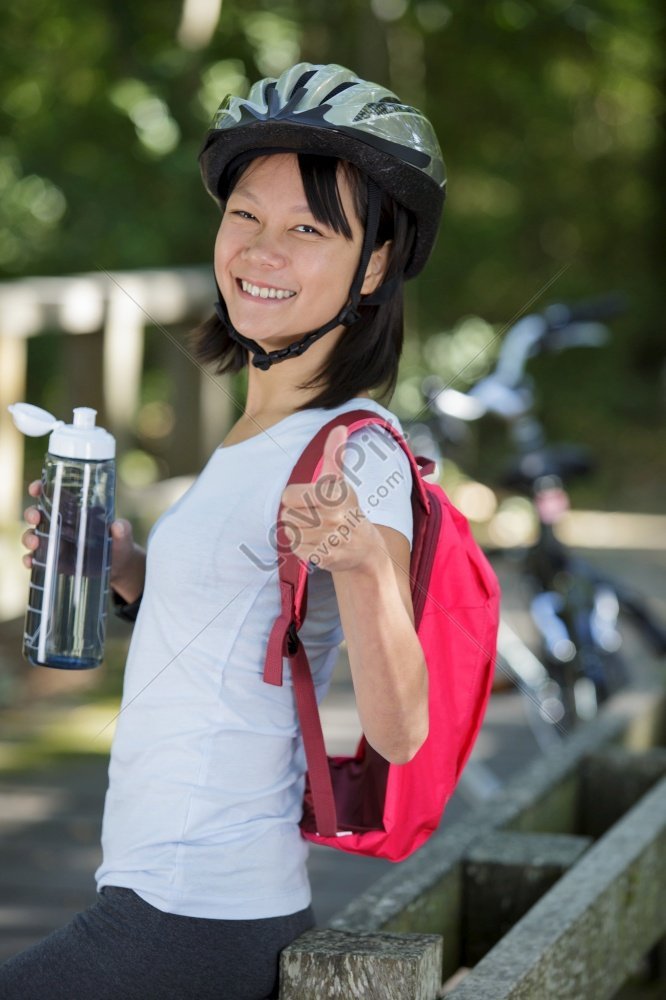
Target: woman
point(331, 193)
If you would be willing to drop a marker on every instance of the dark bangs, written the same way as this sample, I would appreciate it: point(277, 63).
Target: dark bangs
point(320, 183)
point(367, 355)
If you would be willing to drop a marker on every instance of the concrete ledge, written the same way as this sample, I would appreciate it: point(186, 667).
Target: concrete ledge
point(584, 937)
point(423, 893)
point(591, 910)
point(612, 781)
point(504, 876)
point(332, 965)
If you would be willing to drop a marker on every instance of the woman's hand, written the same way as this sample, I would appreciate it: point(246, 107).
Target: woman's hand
point(32, 515)
point(128, 560)
point(323, 521)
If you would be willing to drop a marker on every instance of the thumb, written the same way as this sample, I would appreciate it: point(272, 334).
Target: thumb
point(334, 452)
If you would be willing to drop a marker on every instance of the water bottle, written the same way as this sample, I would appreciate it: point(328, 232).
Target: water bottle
point(66, 616)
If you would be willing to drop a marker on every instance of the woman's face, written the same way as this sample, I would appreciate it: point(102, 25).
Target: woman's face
point(281, 272)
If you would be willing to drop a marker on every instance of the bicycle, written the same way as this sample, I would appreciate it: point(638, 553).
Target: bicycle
point(574, 608)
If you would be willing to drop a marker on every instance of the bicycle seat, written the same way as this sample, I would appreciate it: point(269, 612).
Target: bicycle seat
point(567, 461)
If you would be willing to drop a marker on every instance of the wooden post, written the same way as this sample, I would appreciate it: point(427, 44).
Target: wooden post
point(333, 965)
point(218, 410)
point(13, 370)
point(123, 356)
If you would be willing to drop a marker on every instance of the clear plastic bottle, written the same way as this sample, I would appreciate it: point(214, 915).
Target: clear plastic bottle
point(66, 616)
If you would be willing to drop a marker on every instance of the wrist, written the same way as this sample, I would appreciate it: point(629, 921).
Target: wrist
point(128, 581)
point(127, 610)
point(372, 567)
point(124, 593)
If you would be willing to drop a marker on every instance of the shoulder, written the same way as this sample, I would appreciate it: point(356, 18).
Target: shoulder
point(366, 408)
point(375, 448)
point(379, 471)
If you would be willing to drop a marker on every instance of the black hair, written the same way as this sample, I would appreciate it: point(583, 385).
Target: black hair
point(367, 355)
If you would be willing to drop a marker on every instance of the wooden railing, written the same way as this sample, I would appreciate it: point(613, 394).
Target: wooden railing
point(105, 317)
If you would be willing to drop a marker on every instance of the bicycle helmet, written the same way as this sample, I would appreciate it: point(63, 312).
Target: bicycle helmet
point(329, 111)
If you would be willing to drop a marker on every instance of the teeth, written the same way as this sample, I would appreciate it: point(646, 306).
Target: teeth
point(266, 293)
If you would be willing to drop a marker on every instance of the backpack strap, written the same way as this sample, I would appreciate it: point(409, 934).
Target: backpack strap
point(283, 640)
point(292, 570)
point(307, 470)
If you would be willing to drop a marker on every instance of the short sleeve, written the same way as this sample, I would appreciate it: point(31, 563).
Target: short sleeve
point(380, 473)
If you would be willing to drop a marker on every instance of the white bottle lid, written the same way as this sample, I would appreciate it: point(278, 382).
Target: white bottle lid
point(80, 440)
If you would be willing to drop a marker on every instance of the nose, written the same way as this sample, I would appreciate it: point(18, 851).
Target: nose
point(265, 250)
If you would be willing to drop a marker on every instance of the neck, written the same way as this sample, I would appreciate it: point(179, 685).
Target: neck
point(276, 391)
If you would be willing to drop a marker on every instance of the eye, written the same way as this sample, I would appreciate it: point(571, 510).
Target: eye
point(308, 230)
point(243, 214)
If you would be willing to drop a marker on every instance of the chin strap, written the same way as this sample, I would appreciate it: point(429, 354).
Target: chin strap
point(348, 315)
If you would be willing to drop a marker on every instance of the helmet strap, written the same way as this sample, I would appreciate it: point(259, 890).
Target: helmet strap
point(347, 316)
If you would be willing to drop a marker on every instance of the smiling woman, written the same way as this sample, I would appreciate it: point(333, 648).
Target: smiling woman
point(323, 205)
point(331, 190)
point(274, 259)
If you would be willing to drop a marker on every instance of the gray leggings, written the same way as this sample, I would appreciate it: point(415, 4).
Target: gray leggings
point(122, 948)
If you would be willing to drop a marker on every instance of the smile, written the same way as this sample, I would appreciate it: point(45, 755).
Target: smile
point(264, 292)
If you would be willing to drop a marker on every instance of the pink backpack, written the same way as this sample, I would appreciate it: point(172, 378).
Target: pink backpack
point(363, 804)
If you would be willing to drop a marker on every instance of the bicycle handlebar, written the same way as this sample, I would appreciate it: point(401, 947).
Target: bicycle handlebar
point(580, 334)
point(505, 390)
point(606, 307)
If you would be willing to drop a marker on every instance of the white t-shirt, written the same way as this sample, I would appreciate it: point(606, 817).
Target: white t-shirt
point(207, 765)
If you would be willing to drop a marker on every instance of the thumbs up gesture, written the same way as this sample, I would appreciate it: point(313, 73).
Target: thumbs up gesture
point(323, 521)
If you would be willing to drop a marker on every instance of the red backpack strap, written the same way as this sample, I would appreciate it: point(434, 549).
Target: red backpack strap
point(293, 571)
point(283, 639)
point(323, 800)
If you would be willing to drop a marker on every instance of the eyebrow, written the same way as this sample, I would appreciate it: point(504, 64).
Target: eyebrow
point(246, 193)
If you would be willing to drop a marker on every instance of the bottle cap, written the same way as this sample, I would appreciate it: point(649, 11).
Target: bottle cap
point(80, 439)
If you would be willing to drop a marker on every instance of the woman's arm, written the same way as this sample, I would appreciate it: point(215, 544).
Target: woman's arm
point(386, 659)
point(370, 567)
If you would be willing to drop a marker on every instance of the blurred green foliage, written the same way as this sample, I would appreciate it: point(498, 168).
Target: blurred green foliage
point(550, 118)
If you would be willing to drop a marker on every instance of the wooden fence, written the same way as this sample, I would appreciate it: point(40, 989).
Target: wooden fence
point(105, 318)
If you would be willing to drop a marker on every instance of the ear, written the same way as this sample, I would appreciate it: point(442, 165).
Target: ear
point(376, 269)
